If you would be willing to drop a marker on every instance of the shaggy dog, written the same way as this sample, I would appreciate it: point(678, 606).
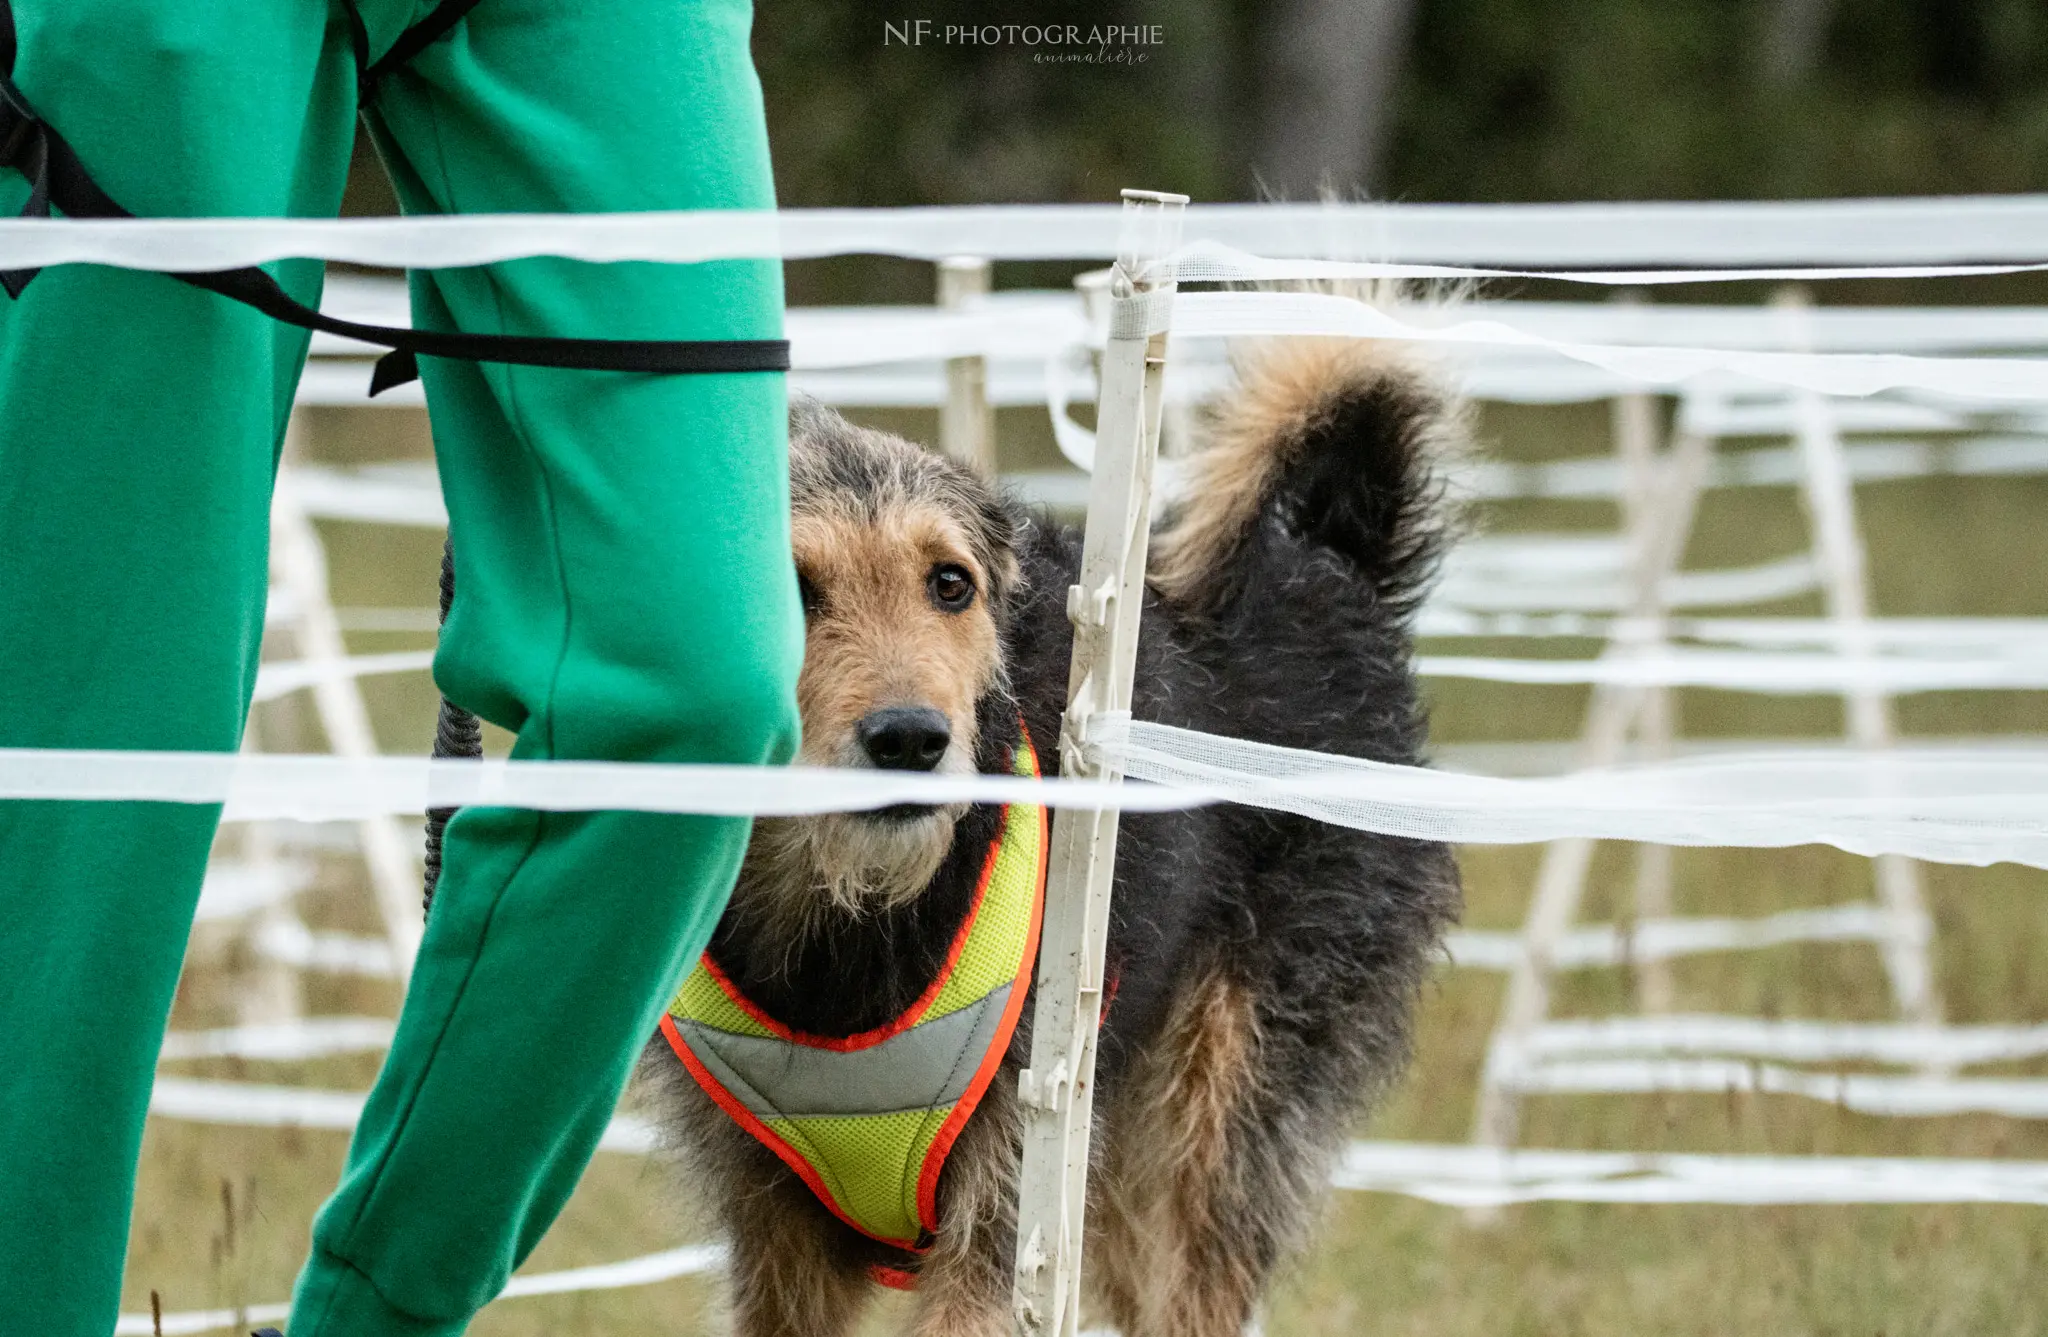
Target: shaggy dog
point(1265, 966)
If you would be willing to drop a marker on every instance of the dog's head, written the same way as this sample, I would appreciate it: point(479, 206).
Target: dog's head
point(907, 567)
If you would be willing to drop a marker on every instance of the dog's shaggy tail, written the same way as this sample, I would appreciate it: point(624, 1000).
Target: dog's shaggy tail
point(1337, 442)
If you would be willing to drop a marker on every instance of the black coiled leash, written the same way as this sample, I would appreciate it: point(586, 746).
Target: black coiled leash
point(457, 734)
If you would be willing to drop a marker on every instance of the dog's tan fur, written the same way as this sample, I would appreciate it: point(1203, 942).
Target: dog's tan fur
point(873, 639)
point(964, 1284)
point(1253, 435)
point(797, 1286)
point(1166, 1199)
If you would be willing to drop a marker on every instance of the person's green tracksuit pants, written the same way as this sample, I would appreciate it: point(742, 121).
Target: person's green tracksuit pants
point(626, 593)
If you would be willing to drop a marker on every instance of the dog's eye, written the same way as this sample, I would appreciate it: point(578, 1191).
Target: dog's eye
point(808, 592)
point(952, 588)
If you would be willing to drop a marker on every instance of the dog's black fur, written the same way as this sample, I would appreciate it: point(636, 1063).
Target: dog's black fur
point(1265, 965)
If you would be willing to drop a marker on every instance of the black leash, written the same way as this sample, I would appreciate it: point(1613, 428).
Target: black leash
point(457, 734)
point(59, 180)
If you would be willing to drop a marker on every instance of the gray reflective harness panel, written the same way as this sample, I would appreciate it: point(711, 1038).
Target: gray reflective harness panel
point(927, 1067)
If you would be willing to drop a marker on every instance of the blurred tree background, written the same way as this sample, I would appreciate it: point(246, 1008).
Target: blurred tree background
point(1419, 100)
point(1467, 100)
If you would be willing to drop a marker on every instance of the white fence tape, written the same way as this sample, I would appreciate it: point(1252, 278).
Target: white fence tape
point(282, 1041)
point(1588, 573)
point(1954, 807)
point(1557, 756)
point(688, 1261)
point(1782, 674)
point(1932, 636)
point(254, 1104)
point(1031, 324)
point(1829, 329)
point(387, 495)
point(1598, 945)
point(288, 941)
point(1536, 587)
point(283, 677)
point(1236, 314)
point(1475, 1176)
point(1995, 230)
point(1592, 478)
point(1212, 262)
point(1028, 327)
point(232, 890)
point(894, 355)
point(184, 1322)
point(1906, 635)
point(1967, 807)
point(1785, 1041)
point(280, 787)
point(1895, 1097)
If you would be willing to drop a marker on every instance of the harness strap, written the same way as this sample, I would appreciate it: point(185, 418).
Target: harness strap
point(58, 178)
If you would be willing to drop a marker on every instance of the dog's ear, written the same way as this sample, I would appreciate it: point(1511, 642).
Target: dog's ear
point(995, 525)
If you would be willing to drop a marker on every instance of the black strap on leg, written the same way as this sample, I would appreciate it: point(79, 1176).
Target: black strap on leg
point(414, 40)
point(410, 43)
point(359, 43)
point(58, 179)
point(35, 149)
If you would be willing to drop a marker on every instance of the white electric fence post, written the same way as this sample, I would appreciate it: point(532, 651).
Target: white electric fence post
point(298, 565)
point(1830, 498)
point(1635, 429)
point(967, 423)
point(1056, 1091)
point(1561, 878)
point(1092, 287)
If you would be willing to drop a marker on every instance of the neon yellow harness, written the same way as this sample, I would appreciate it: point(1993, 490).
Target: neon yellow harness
point(867, 1121)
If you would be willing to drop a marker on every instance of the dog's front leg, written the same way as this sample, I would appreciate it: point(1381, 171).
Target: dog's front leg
point(964, 1285)
point(963, 1293)
point(790, 1274)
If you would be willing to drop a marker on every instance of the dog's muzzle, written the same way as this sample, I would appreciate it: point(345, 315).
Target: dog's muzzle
point(904, 738)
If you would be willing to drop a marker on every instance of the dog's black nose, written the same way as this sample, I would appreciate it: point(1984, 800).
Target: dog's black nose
point(904, 738)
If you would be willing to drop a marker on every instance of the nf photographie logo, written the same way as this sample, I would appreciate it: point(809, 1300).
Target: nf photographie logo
point(1048, 43)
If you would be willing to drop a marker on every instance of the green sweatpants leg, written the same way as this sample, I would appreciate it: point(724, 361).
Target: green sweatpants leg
point(625, 593)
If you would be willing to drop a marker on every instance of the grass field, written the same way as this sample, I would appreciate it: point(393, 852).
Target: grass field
point(222, 1214)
